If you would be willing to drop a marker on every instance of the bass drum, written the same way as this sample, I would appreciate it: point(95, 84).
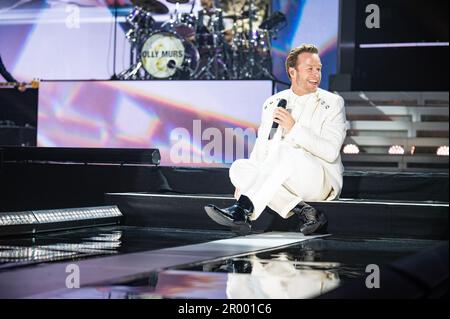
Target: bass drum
point(166, 55)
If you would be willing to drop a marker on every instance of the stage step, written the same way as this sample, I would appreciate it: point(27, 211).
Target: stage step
point(348, 217)
point(357, 184)
point(72, 185)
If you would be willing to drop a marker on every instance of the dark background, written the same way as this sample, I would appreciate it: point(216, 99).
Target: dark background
point(395, 69)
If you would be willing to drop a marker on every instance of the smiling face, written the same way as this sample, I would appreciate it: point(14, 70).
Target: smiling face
point(307, 74)
point(207, 4)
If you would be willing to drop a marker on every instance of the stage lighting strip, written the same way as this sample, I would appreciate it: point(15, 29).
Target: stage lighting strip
point(58, 215)
point(10, 254)
point(54, 252)
point(59, 251)
point(62, 215)
point(22, 218)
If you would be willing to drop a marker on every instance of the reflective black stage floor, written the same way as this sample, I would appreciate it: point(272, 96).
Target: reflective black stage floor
point(135, 262)
point(94, 242)
point(305, 270)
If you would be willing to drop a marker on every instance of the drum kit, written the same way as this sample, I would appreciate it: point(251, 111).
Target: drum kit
point(199, 46)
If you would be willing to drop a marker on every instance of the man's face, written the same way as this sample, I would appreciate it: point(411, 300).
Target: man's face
point(307, 75)
point(207, 4)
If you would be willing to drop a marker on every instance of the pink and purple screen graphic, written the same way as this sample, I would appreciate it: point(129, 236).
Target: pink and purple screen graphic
point(192, 123)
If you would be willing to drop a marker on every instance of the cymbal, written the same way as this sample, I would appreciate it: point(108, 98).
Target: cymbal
point(234, 17)
point(153, 6)
point(179, 1)
point(276, 21)
point(245, 15)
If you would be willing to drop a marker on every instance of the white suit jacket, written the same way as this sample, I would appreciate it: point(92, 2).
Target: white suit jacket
point(320, 129)
point(279, 279)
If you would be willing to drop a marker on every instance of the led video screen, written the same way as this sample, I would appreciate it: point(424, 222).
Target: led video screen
point(192, 123)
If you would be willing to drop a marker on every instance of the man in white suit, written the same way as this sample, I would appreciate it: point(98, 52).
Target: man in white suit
point(298, 162)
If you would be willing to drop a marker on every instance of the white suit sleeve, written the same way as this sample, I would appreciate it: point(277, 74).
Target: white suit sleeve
point(261, 140)
point(328, 144)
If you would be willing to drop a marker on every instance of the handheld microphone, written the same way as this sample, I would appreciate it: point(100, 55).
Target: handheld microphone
point(282, 103)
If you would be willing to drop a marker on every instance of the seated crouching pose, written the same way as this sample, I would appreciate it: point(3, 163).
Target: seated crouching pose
point(298, 161)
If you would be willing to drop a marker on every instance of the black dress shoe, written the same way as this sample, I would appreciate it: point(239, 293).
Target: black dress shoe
point(314, 221)
point(236, 216)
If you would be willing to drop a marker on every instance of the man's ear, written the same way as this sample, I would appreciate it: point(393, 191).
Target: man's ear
point(291, 72)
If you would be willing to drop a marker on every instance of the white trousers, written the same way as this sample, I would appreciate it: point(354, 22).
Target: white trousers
point(286, 177)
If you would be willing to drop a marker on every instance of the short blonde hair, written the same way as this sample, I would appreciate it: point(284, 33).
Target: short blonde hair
point(291, 60)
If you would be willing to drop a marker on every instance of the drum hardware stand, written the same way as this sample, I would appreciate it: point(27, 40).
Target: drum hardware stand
point(130, 74)
point(246, 64)
point(212, 70)
point(135, 63)
point(215, 68)
point(266, 67)
point(114, 76)
point(252, 43)
point(236, 57)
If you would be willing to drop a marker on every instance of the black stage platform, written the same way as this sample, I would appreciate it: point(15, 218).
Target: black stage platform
point(368, 218)
point(167, 247)
point(31, 185)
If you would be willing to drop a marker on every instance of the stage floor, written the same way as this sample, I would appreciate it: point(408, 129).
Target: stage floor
point(144, 262)
point(79, 244)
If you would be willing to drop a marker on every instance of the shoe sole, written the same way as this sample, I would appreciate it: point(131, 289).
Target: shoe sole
point(319, 226)
point(224, 221)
